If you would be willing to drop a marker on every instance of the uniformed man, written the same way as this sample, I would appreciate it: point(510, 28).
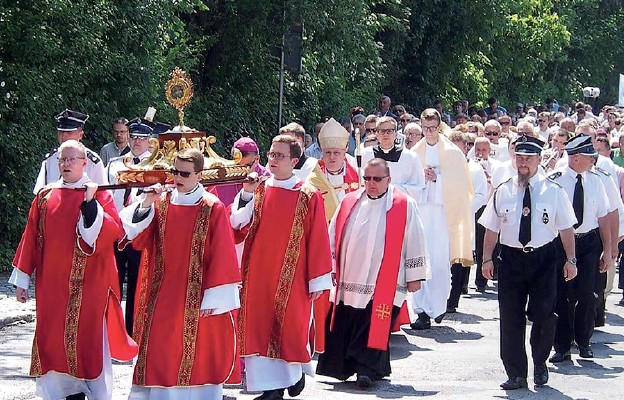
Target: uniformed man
point(576, 301)
point(128, 259)
point(529, 212)
point(70, 125)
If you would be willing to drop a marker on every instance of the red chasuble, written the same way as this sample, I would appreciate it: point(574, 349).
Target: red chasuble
point(286, 247)
point(187, 249)
point(76, 286)
point(385, 285)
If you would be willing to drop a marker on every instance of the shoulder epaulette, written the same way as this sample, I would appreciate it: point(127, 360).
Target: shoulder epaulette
point(591, 171)
point(555, 175)
point(49, 154)
point(603, 171)
point(93, 157)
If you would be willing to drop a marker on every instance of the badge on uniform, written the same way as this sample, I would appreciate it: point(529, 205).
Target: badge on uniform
point(526, 211)
point(545, 218)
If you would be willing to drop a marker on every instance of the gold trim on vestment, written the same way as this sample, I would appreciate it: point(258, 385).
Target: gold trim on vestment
point(76, 279)
point(161, 207)
point(42, 205)
point(35, 362)
point(287, 273)
point(193, 294)
point(251, 235)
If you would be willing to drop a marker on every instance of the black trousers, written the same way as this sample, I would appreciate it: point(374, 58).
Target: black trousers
point(128, 261)
point(526, 277)
point(346, 352)
point(576, 300)
point(458, 275)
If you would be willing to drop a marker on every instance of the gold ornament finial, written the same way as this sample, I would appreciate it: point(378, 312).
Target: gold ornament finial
point(179, 91)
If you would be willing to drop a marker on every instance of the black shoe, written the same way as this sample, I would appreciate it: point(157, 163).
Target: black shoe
point(560, 357)
point(540, 375)
point(439, 318)
point(464, 290)
point(297, 388)
point(277, 394)
point(423, 322)
point(481, 289)
point(514, 382)
point(585, 352)
point(77, 396)
point(621, 302)
point(364, 381)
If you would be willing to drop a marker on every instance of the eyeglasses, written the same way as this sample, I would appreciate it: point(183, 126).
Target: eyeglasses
point(490, 133)
point(371, 130)
point(374, 178)
point(370, 141)
point(542, 120)
point(405, 119)
point(183, 174)
point(358, 123)
point(389, 131)
point(137, 137)
point(274, 155)
point(69, 160)
point(617, 122)
point(430, 128)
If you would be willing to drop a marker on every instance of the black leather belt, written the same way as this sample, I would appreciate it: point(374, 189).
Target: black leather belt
point(580, 235)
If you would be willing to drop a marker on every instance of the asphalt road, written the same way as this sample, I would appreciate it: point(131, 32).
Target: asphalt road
point(457, 359)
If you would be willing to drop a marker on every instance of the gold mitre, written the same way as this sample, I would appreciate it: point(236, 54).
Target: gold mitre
point(333, 135)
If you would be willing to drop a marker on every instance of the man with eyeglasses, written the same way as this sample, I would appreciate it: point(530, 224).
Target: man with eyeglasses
point(542, 129)
point(286, 265)
point(68, 246)
point(119, 146)
point(340, 173)
point(447, 218)
point(492, 131)
point(405, 168)
point(358, 126)
point(70, 126)
point(189, 287)
point(128, 259)
point(377, 241)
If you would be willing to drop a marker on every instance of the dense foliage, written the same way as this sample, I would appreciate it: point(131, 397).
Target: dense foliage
point(112, 57)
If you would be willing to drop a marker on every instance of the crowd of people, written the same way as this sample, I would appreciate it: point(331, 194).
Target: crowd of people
point(318, 251)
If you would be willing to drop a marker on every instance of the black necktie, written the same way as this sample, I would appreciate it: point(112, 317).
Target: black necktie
point(136, 160)
point(578, 202)
point(525, 220)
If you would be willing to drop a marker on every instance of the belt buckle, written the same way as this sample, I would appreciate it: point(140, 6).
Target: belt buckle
point(528, 249)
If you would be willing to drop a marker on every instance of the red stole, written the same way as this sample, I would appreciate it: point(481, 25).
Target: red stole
point(351, 177)
point(385, 286)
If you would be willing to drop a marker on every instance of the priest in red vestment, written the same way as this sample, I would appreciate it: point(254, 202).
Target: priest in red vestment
point(68, 244)
point(377, 241)
point(286, 265)
point(188, 287)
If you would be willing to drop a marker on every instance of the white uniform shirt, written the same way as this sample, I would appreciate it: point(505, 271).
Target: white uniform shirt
point(551, 211)
point(596, 203)
point(480, 186)
point(50, 172)
point(114, 166)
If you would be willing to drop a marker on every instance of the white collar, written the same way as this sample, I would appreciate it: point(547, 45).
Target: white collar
point(72, 185)
point(189, 198)
point(285, 184)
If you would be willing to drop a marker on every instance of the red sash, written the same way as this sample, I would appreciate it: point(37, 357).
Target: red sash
point(383, 298)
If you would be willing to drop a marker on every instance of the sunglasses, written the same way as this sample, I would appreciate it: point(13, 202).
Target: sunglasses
point(137, 137)
point(183, 174)
point(405, 120)
point(374, 178)
point(371, 129)
point(491, 133)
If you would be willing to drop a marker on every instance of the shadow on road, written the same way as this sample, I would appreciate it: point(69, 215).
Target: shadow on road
point(383, 389)
point(400, 348)
point(445, 334)
point(541, 392)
